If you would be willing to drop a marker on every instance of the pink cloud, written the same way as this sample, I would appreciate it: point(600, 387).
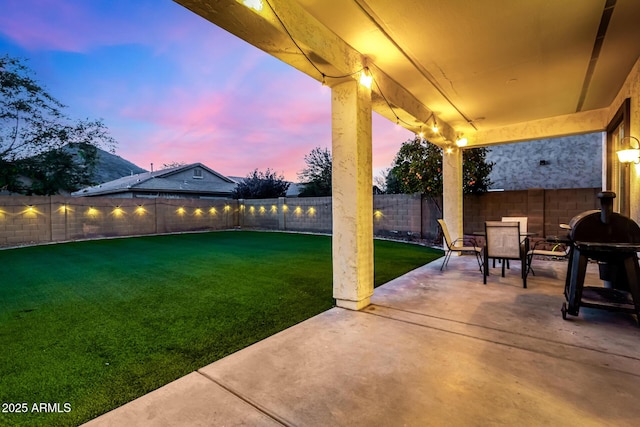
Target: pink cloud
point(235, 135)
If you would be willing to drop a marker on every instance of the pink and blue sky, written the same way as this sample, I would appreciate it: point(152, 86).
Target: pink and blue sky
point(172, 87)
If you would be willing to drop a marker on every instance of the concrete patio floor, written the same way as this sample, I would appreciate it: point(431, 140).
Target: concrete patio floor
point(434, 348)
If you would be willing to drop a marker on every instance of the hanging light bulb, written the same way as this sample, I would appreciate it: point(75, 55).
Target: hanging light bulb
point(366, 78)
point(253, 4)
point(462, 142)
point(434, 128)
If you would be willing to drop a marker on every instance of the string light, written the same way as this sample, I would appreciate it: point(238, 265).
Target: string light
point(462, 141)
point(434, 127)
point(253, 4)
point(366, 78)
point(286, 30)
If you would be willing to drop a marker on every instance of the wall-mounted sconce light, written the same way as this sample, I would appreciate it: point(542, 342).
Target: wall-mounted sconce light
point(631, 154)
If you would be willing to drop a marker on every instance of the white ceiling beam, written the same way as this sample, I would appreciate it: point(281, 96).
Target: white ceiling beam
point(571, 124)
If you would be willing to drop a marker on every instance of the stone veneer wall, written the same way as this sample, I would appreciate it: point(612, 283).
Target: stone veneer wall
point(25, 220)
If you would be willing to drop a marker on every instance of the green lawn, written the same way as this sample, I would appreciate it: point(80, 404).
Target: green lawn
point(99, 323)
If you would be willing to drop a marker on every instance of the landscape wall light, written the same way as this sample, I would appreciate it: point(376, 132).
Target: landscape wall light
point(118, 212)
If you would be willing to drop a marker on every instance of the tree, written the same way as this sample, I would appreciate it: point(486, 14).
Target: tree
point(33, 132)
point(59, 170)
point(381, 179)
point(261, 185)
point(417, 168)
point(316, 177)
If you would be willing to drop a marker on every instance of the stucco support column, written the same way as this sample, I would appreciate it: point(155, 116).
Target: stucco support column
point(352, 243)
point(452, 192)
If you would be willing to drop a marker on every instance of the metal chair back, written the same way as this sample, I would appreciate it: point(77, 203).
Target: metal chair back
point(503, 239)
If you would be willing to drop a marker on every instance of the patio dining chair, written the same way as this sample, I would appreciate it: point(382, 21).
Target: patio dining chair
point(502, 241)
point(523, 220)
point(560, 249)
point(458, 245)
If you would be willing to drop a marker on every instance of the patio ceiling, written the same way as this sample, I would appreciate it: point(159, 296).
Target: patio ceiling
point(491, 69)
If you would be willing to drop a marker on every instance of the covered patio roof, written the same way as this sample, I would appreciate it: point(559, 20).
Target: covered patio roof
point(486, 72)
point(490, 70)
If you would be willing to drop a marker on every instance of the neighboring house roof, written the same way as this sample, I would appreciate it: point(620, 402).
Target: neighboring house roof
point(170, 180)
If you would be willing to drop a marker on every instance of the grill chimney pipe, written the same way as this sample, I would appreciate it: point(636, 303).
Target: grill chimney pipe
point(606, 202)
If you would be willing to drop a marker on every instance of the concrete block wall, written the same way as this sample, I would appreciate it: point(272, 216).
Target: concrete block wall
point(307, 214)
point(562, 205)
point(492, 207)
point(180, 215)
point(546, 209)
point(25, 220)
point(431, 212)
point(260, 213)
point(397, 214)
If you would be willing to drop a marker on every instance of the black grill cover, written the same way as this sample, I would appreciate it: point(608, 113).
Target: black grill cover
point(604, 226)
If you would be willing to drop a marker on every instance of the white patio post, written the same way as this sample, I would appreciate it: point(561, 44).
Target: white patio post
point(452, 192)
point(352, 195)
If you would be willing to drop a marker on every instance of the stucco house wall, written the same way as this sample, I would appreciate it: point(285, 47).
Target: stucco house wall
point(568, 162)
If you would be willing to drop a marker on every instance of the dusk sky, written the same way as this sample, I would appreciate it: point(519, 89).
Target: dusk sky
point(172, 87)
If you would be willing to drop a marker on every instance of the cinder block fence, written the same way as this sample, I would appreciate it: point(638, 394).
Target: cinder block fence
point(27, 220)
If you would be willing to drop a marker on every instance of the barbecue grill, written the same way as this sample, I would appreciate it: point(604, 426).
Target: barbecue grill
point(612, 240)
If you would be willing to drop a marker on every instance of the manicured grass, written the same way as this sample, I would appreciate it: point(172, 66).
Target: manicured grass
point(96, 324)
